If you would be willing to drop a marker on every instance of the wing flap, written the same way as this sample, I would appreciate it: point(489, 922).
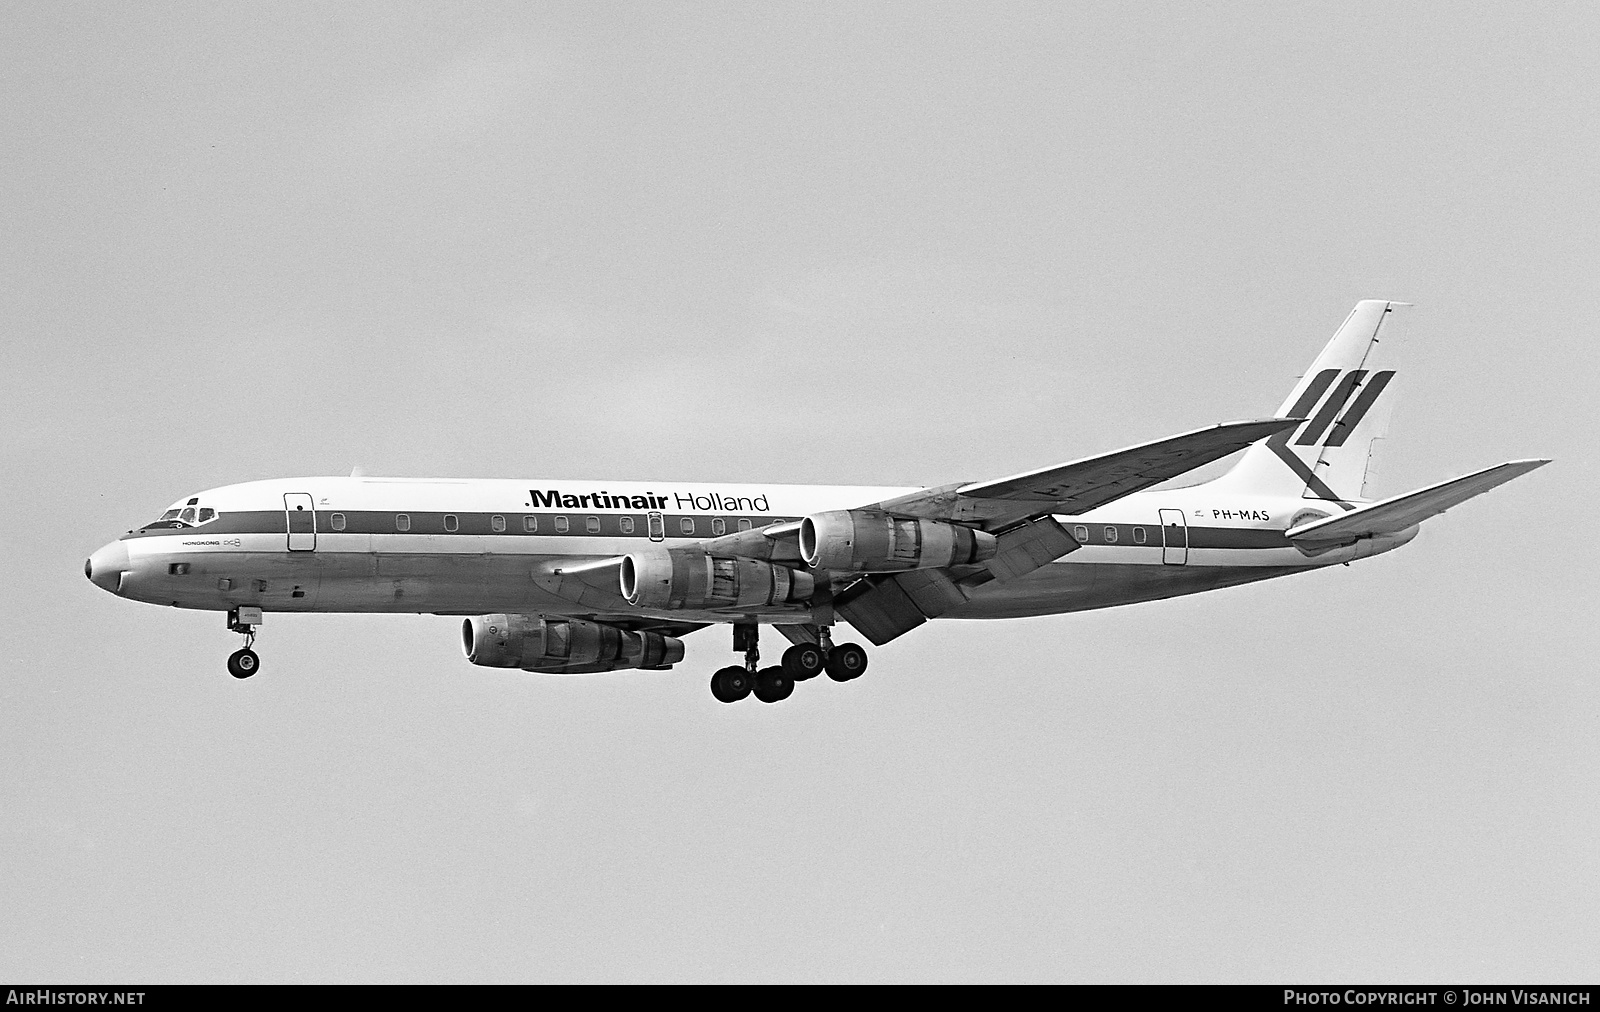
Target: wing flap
point(1395, 514)
point(886, 606)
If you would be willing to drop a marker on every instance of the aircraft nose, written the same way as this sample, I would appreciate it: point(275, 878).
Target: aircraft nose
point(105, 567)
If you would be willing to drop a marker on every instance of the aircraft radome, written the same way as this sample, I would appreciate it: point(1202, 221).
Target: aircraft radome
point(571, 577)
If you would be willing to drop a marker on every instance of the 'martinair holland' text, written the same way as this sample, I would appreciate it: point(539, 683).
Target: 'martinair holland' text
point(710, 502)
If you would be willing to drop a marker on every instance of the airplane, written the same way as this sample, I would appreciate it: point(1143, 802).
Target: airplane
point(576, 577)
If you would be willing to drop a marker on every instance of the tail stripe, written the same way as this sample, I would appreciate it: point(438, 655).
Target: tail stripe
point(1279, 444)
point(1346, 425)
point(1313, 394)
point(1318, 487)
point(1341, 393)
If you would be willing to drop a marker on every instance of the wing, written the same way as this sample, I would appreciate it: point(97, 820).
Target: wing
point(1082, 485)
point(1395, 514)
point(1018, 509)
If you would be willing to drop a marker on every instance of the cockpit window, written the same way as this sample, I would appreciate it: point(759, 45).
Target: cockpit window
point(189, 514)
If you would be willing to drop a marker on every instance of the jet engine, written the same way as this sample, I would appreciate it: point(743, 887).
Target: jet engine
point(563, 646)
point(867, 541)
point(688, 578)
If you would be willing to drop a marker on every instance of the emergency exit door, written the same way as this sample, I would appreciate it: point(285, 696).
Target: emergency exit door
point(1174, 538)
point(302, 520)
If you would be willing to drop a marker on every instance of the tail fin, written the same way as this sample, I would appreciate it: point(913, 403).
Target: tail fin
point(1345, 398)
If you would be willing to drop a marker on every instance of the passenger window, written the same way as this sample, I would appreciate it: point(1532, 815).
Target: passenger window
point(561, 525)
point(744, 523)
point(530, 524)
point(1138, 535)
point(187, 516)
point(719, 526)
point(337, 521)
point(1081, 533)
point(1111, 535)
point(627, 525)
point(686, 525)
point(402, 522)
point(592, 525)
point(451, 523)
point(497, 523)
point(207, 513)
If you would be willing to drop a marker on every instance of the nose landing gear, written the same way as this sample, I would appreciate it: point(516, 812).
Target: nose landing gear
point(244, 663)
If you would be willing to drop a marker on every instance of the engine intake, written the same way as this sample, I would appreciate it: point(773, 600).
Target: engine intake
point(867, 541)
point(563, 646)
point(688, 578)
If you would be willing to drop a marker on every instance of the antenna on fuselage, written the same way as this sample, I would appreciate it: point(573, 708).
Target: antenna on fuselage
point(358, 472)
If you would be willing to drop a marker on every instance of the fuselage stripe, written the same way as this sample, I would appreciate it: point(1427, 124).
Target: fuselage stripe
point(381, 523)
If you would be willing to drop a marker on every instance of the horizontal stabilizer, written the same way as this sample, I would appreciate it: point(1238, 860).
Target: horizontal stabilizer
point(1395, 514)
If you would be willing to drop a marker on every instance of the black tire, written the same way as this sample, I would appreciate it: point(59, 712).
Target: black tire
point(730, 685)
point(243, 663)
point(773, 685)
point(803, 661)
point(846, 661)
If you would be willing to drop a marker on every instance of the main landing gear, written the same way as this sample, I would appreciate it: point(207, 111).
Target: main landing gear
point(800, 662)
point(244, 663)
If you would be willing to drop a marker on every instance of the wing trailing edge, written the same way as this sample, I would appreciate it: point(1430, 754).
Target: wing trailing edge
point(887, 605)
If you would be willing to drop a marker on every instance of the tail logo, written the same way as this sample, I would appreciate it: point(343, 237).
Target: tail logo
point(1321, 427)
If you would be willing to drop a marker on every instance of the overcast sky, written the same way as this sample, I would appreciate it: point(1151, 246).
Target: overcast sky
point(845, 243)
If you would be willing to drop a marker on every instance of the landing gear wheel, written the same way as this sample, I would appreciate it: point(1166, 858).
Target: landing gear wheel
point(730, 685)
point(773, 684)
point(846, 661)
point(243, 663)
point(804, 660)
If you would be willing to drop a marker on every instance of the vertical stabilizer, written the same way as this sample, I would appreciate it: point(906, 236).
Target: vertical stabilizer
point(1345, 398)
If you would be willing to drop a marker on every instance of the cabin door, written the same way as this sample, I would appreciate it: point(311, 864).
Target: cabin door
point(1174, 538)
point(302, 520)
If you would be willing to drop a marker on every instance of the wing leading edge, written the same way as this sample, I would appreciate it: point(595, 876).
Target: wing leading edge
point(1082, 485)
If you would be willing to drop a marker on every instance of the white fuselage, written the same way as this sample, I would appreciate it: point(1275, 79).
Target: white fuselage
point(473, 546)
